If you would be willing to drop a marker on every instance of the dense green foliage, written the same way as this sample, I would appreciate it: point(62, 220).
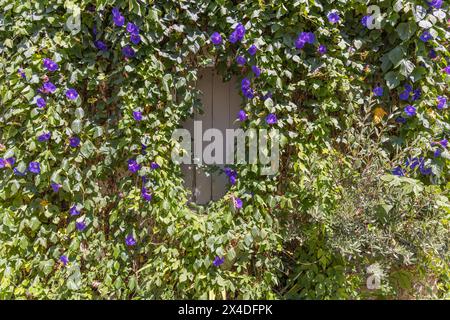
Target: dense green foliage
point(311, 231)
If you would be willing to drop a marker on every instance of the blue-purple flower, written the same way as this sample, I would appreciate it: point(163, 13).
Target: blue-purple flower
point(435, 3)
point(8, 162)
point(400, 119)
point(80, 225)
point(74, 211)
point(133, 166)
point(304, 38)
point(34, 167)
point(252, 50)
point(55, 186)
point(231, 174)
point(242, 116)
point(248, 93)
point(238, 33)
point(366, 20)
point(442, 102)
point(218, 261)
point(333, 17)
point(245, 84)
point(432, 54)
point(128, 52)
point(50, 65)
point(256, 71)
point(18, 173)
point(154, 166)
point(71, 94)
point(437, 153)
point(425, 36)
point(135, 38)
point(22, 73)
point(44, 137)
point(100, 45)
point(64, 260)
point(322, 49)
point(137, 115)
point(398, 171)
point(74, 141)
point(216, 38)
point(410, 111)
point(444, 143)
point(48, 87)
point(41, 103)
point(129, 240)
point(447, 69)
point(132, 28)
point(378, 91)
point(146, 194)
point(118, 19)
point(416, 94)
point(237, 203)
point(241, 60)
point(271, 118)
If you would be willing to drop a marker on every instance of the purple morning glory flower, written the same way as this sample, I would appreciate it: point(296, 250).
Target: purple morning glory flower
point(271, 119)
point(252, 50)
point(404, 95)
point(333, 17)
point(119, 20)
point(256, 71)
point(74, 211)
point(444, 143)
point(245, 83)
point(240, 31)
point(237, 203)
point(135, 38)
point(22, 73)
point(50, 65)
point(437, 153)
point(218, 261)
point(231, 174)
point(267, 96)
point(432, 54)
point(416, 94)
point(413, 163)
point(137, 115)
point(154, 166)
point(425, 36)
point(9, 162)
point(241, 60)
point(233, 37)
point(80, 225)
point(64, 260)
point(74, 141)
point(242, 115)
point(18, 173)
point(100, 45)
point(48, 87)
point(128, 52)
point(41, 103)
point(447, 69)
point(410, 111)
point(132, 28)
point(400, 120)
point(322, 49)
point(2, 163)
point(129, 240)
point(425, 171)
point(442, 102)
point(72, 94)
point(248, 93)
point(34, 167)
point(146, 195)
point(303, 38)
point(398, 171)
point(378, 91)
point(44, 137)
point(55, 186)
point(435, 3)
point(133, 166)
point(366, 20)
point(216, 38)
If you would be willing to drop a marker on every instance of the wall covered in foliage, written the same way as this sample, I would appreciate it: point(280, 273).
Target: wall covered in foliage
point(91, 205)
